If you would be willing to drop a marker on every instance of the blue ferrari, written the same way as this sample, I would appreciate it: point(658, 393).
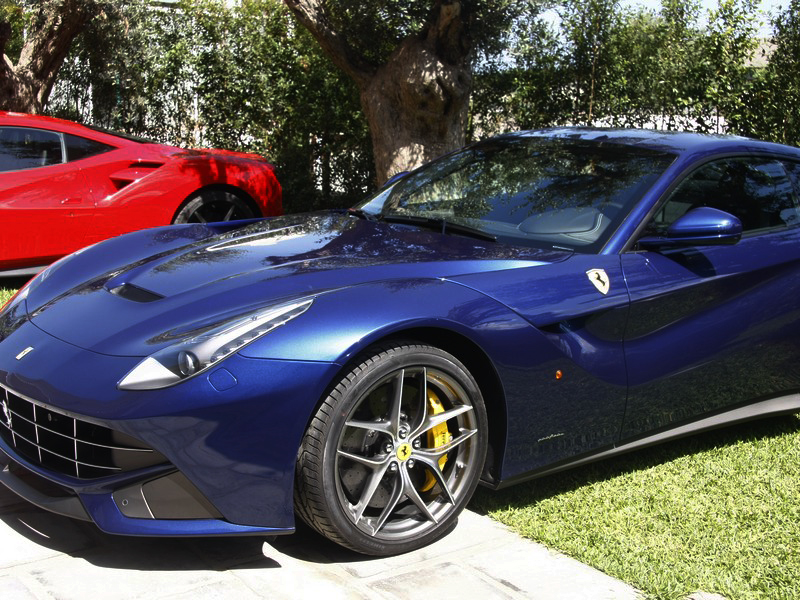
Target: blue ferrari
point(529, 303)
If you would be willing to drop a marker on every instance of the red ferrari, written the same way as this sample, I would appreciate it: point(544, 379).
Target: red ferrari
point(64, 186)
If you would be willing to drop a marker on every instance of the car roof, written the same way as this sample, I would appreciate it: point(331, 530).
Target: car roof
point(62, 125)
point(675, 142)
point(40, 120)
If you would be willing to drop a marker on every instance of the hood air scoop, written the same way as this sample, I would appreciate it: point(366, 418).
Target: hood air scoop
point(135, 293)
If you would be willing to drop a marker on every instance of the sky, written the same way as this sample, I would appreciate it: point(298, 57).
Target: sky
point(706, 4)
point(767, 6)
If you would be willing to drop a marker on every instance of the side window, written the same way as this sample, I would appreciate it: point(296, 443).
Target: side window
point(26, 148)
point(78, 147)
point(794, 173)
point(757, 191)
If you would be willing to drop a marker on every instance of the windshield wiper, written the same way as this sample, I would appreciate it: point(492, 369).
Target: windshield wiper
point(362, 214)
point(439, 224)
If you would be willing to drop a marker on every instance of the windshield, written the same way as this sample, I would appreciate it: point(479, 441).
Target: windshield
point(534, 191)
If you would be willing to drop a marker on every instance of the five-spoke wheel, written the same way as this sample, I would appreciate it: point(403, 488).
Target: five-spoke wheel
point(395, 451)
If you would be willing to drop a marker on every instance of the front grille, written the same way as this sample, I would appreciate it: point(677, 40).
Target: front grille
point(66, 445)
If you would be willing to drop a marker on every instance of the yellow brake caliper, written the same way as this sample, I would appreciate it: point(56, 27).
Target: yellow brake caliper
point(437, 436)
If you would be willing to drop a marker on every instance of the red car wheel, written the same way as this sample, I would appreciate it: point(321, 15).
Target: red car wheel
point(209, 206)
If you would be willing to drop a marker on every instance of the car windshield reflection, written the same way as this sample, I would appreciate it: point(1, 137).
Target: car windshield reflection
point(531, 191)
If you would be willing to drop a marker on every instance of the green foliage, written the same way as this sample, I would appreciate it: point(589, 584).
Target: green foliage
point(541, 80)
point(729, 45)
point(296, 107)
point(109, 84)
point(248, 77)
point(635, 67)
point(13, 13)
point(588, 27)
point(243, 78)
point(374, 29)
point(772, 108)
point(716, 512)
point(5, 295)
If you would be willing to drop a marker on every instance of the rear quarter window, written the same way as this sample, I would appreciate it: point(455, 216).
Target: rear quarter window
point(79, 148)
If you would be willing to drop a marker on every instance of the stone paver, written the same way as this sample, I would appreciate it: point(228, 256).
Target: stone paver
point(44, 556)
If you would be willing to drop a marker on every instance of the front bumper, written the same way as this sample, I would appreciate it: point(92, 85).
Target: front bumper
point(225, 442)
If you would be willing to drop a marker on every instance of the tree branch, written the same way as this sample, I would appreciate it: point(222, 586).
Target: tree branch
point(7, 87)
point(313, 16)
point(448, 32)
point(47, 47)
point(5, 36)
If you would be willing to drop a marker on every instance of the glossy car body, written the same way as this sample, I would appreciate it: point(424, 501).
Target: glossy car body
point(64, 186)
point(604, 321)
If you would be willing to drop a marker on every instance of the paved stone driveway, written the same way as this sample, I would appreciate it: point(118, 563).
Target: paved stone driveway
point(44, 556)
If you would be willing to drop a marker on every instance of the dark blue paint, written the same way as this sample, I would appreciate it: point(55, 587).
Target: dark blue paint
point(706, 222)
point(681, 333)
point(703, 226)
point(107, 517)
point(712, 318)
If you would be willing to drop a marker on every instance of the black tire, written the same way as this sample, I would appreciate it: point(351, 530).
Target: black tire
point(213, 205)
point(395, 451)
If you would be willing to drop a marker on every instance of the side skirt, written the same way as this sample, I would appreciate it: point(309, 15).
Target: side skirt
point(765, 408)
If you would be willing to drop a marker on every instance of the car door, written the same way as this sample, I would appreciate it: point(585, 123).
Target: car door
point(713, 328)
point(45, 203)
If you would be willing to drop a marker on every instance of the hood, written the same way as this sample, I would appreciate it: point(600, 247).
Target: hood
point(121, 296)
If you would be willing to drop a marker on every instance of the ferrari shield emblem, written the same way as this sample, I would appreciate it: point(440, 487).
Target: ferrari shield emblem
point(599, 279)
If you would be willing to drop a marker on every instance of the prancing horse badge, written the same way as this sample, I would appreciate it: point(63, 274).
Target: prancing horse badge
point(599, 279)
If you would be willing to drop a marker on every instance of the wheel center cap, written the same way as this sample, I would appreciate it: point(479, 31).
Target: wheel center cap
point(403, 452)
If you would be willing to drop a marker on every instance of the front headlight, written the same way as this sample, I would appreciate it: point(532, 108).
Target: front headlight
point(22, 293)
point(17, 299)
point(199, 353)
point(13, 314)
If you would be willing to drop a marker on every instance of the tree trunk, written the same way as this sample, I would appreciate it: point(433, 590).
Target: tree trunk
point(416, 104)
point(26, 86)
point(416, 107)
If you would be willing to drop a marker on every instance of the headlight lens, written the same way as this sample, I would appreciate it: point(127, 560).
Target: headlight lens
point(199, 353)
point(16, 299)
point(13, 313)
point(34, 282)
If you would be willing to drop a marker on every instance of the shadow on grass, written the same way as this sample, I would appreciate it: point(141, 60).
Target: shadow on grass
point(534, 491)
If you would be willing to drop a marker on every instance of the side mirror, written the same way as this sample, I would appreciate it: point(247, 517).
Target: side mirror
point(703, 226)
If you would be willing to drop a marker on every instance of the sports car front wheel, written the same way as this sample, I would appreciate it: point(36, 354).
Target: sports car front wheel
point(394, 452)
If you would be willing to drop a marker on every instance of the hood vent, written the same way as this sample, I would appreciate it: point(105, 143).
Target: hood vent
point(135, 293)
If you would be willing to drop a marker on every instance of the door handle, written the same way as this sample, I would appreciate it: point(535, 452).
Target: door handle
point(72, 201)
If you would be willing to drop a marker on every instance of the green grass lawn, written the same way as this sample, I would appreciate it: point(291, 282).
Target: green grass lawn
point(718, 512)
